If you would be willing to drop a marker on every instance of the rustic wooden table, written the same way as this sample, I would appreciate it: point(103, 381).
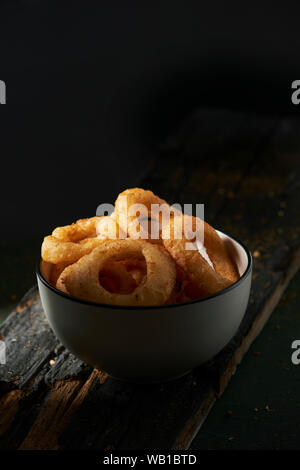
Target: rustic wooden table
point(246, 171)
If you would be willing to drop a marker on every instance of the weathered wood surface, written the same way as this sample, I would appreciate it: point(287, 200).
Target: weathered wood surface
point(246, 171)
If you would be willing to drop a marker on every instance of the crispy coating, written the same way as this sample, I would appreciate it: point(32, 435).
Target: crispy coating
point(107, 228)
point(83, 228)
point(69, 243)
point(81, 279)
point(208, 279)
point(55, 272)
point(141, 224)
point(57, 251)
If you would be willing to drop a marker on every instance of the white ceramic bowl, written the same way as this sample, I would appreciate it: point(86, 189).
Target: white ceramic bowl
point(149, 344)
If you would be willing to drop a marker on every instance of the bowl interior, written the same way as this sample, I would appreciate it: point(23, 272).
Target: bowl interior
point(236, 252)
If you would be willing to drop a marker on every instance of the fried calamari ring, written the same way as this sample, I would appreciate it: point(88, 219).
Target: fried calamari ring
point(107, 228)
point(104, 227)
point(57, 251)
point(82, 278)
point(55, 272)
point(83, 228)
point(69, 243)
point(209, 278)
point(134, 200)
point(185, 289)
point(179, 294)
point(215, 249)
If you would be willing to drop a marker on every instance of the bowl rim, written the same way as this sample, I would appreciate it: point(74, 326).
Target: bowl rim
point(153, 307)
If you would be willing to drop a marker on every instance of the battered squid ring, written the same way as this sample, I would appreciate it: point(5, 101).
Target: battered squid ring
point(57, 251)
point(107, 227)
point(185, 289)
point(69, 243)
point(82, 278)
point(55, 272)
point(136, 196)
point(207, 278)
point(83, 228)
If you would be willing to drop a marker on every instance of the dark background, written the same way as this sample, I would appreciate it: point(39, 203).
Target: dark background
point(99, 84)
point(93, 88)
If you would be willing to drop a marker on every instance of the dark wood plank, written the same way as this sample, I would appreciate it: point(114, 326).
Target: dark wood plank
point(35, 363)
point(234, 164)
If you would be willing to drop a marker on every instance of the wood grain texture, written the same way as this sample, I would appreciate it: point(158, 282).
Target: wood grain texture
point(245, 169)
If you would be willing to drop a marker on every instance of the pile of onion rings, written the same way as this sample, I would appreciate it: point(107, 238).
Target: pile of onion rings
point(137, 260)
